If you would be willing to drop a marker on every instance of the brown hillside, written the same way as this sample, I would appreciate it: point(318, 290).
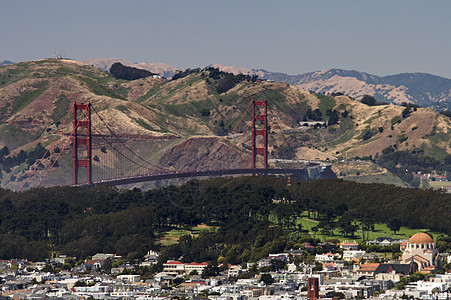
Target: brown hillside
point(191, 118)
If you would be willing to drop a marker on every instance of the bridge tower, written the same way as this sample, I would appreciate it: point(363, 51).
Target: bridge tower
point(257, 119)
point(82, 141)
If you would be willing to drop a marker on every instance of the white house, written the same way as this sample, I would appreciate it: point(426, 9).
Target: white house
point(179, 267)
point(326, 257)
point(353, 254)
point(195, 267)
point(173, 266)
point(129, 278)
point(349, 245)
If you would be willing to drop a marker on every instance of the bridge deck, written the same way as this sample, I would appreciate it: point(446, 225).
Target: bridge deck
point(306, 173)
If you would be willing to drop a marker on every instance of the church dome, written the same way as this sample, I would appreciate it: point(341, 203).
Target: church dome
point(421, 238)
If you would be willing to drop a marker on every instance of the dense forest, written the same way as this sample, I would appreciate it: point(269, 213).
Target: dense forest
point(252, 216)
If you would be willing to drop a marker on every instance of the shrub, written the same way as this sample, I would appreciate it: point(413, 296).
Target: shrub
point(367, 135)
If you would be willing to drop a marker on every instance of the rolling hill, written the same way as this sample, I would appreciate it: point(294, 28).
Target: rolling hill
point(425, 90)
point(5, 62)
point(197, 110)
point(105, 64)
point(422, 89)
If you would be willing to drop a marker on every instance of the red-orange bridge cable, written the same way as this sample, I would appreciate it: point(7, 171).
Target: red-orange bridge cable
point(220, 145)
point(48, 171)
point(119, 152)
point(122, 154)
point(134, 153)
point(281, 131)
point(83, 115)
point(61, 152)
point(228, 149)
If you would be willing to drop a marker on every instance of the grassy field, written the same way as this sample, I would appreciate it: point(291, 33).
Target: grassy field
point(380, 230)
point(171, 237)
point(439, 184)
point(385, 178)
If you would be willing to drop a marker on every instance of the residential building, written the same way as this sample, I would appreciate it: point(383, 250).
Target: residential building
point(353, 254)
point(174, 266)
point(349, 245)
point(367, 269)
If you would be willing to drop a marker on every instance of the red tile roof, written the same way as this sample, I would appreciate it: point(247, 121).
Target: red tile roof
point(173, 263)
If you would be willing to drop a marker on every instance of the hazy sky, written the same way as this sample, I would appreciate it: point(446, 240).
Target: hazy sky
point(380, 37)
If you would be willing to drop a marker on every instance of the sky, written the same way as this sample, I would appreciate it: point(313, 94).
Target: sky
point(382, 37)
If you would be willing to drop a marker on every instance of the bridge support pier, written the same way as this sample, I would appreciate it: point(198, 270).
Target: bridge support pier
point(257, 119)
point(81, 141)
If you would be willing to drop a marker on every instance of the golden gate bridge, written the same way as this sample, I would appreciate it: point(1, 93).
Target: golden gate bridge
point(117, 163)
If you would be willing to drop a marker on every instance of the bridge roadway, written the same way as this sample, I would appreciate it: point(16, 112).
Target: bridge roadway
point(305, 173)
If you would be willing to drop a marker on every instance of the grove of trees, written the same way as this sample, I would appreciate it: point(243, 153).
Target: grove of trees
point(252, 216)
point(120, 71)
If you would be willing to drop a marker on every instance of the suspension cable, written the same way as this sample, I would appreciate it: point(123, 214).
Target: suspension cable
point(283, 135)
point(223, 141)
point(122, 154)
point(136, 163)
point(228, 149)
point(59, 154)
point(134, 153)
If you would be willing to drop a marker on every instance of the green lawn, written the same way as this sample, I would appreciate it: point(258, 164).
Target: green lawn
point(438, 184)
point(171, 237)
point(380, 230)
point(385, 178)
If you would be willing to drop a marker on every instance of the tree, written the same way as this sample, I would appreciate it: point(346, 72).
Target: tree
point(267, 279)
point(47, 268)
point(368, 223)
point(210, 270)
point(318, 267)
point(333, 117)
point(367, 135)
point(346, 227)
point(205, 112)
point(406, 112)
point(3, 152)
point(394, 225)
point(338, 295)
point(107, 265)
point(277, 264)
point(369, 100)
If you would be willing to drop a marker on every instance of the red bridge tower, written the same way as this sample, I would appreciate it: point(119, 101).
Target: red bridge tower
point(85, 141)
point(257, 117)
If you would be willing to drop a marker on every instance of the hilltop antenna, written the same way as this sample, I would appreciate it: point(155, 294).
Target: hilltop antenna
point(54, 52)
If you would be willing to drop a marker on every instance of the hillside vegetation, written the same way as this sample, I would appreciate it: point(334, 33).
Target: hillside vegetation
point(198, 109)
